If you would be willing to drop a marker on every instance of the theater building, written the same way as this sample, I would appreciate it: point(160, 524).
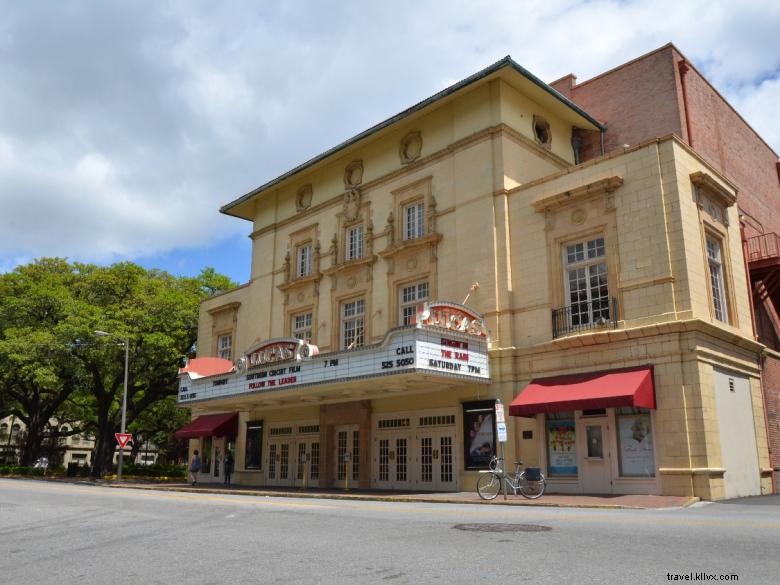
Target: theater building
point(462, 253)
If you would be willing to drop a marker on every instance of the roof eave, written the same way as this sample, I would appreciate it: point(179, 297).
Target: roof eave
point(497, 66)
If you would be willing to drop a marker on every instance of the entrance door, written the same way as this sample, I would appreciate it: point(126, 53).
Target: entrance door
point(436, 461)
point(279, 462)
point(391, 462)
point(596, 476)
point(307, 462)
point(347, 460)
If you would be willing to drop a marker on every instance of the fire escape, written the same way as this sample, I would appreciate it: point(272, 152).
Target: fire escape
point(763, 256)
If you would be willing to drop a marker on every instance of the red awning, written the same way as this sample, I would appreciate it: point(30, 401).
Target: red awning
point(210, 425)
point(614, 388)
point(206, 366)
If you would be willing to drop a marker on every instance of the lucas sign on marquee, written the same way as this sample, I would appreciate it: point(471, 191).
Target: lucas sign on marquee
point(450, 343)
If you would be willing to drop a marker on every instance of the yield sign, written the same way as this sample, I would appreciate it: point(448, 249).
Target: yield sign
point(123, 439)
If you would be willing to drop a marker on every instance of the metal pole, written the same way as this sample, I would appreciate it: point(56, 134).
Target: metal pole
point(124, 411)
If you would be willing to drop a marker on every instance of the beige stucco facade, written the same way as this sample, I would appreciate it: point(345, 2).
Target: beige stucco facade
point(492, 165)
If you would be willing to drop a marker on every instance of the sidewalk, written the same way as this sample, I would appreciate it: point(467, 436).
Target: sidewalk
point(555, 500)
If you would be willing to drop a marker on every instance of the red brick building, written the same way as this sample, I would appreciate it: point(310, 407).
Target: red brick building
point(662, 93)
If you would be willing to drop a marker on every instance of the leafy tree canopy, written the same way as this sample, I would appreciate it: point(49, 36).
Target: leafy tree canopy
point(52, 364)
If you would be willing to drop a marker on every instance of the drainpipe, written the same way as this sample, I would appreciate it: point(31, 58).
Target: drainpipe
point(601, 132)
point(684, 68)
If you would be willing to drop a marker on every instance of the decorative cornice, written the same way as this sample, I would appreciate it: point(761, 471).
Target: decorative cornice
point(345, 266)
point(404, 245)
point(557, 200)
point(713, 187)
point(226, 307)
point(300, 282)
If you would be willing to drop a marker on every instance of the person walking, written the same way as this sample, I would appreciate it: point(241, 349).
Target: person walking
point(195, 467)
point(228, 465)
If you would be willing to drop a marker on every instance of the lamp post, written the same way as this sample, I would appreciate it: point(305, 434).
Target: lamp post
point(126, 343)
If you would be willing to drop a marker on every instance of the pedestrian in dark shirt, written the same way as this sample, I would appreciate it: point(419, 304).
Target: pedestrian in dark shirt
point(195, 467)
point(228, 466)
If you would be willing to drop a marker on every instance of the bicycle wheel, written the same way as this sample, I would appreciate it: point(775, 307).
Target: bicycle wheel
point(531, 489)
point(489, 486)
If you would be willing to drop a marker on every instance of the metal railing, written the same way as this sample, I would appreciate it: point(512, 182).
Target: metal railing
point(599, 314)
point(763, 247)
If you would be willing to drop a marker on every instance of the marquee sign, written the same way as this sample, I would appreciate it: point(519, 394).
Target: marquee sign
point(281, 364)
point(281, 349)
point(453, 317)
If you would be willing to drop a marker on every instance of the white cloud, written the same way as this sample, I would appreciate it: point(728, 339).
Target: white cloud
point(125, 127)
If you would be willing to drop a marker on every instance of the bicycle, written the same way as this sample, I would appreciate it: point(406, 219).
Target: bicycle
point(530, 482)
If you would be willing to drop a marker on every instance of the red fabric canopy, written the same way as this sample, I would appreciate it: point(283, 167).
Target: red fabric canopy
point(210, 425)
point(206, 366)
point(614, 388)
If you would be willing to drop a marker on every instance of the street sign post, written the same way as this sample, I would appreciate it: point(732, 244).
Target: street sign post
point(500, 422)
point(123, 439)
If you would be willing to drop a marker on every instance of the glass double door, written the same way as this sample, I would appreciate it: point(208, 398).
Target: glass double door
point(437, 461)
point(293, 462)
point(347, 459)
point(425, 460)
point(392, 455)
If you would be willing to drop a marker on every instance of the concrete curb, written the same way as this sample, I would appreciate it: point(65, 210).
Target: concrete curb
point(442, 499)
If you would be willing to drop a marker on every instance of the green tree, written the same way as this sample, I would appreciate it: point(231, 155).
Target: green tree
point(52, 363)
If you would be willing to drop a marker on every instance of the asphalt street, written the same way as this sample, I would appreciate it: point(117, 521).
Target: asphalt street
point(63, 534)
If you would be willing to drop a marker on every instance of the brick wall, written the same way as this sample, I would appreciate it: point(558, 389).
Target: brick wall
point(643, 99)
point(771, 376)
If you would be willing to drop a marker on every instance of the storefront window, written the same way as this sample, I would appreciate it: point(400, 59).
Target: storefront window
point(254, 445)
point(635, 442)
point(561, 444)
point(206, 455)
point(479, 433)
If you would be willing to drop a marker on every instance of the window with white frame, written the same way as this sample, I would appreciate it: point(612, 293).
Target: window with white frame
point(414, 223)
point(587, 291)
point(301, 326)
point(717, 283)
point(352, 323)
point(354, 243)
point(225, 346)
point(303, 260)
point(410, 297)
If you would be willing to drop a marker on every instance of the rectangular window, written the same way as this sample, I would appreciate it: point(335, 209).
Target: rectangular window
point(303, 261)
point(225, 346)
point(301, 326)
point(254, 445)
point(410, 298)
point(587, 292)
point(354, 243)
point(413, 221)
point(635, 442)
point(561, 444)
point(352, 323)
point(717, 284)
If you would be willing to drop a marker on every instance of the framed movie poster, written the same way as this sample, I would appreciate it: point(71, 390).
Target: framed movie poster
point(561, 447)
point(479, 433)
point(635, 441)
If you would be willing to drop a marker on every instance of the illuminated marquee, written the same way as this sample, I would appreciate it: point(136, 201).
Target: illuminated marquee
point(454, 317)
point(276, 350)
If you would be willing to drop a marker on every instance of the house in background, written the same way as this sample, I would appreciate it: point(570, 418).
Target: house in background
point(71, 449)
point(490, 245)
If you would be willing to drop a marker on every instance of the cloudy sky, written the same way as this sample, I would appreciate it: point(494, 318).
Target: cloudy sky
point(125, 125)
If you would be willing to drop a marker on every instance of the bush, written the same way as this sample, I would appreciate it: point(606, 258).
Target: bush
point(19, 470)
point(156, 470)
